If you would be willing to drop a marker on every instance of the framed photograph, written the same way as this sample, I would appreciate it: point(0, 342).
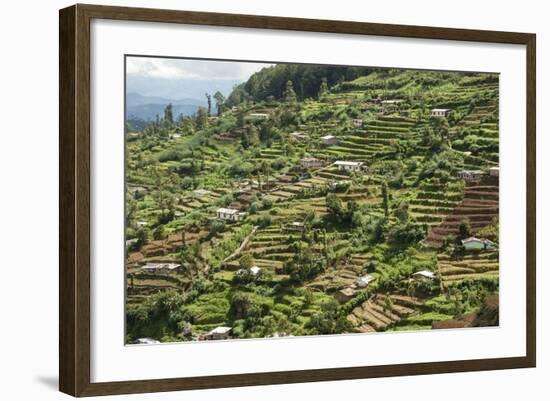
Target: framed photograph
point(250, 200)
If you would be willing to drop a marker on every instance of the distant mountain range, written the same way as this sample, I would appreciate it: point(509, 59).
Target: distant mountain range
point(140, 107)
point(186, 95)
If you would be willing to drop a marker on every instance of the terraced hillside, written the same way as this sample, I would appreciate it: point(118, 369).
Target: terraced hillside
point(318, 200)
point(477, 266)
point(382, 311)
point(479, 207)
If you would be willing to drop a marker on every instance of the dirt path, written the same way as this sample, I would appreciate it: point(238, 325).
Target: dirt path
point(241, 247)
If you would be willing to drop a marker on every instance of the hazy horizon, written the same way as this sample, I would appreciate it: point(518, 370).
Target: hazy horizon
point(177, 79)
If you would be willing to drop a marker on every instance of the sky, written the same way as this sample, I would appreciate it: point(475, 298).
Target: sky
point(183, 78)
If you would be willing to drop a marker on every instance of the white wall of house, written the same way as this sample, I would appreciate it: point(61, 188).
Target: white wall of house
point(439, 113)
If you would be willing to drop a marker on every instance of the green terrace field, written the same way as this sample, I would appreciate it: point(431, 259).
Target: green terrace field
point(316, 249)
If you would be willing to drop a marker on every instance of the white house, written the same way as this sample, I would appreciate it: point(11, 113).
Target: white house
point(132, 241)
point(494, 171)
point(392, 101)
point(296, 226)
point(340, 183)
point(329, 140)
point(309, 162)
point(357, 122)
point(470, 175)
point(424, 275)
point(440, 112)
point(299, 136)
point(229, 214)
point(349, 166)
point(163, 268)
point(219, 333)
point(364, 281)
point(254, 270)
point(477, 244)
point(147, 341)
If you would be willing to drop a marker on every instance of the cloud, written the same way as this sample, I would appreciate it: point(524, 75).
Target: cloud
point(150, 67)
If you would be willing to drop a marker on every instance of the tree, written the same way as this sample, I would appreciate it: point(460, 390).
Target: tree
point(243, 305)
point(304, 264)
point(441, 127)
point(246, 261)
point(141, 236)
point(266, 131)
point(250, 137)
point(464, 229)
point(323, 89)
point(159, 233)
point(201, 118)
point(334, 205)
point(241, 121)
point(220, 99)
point(385, 199)
point(402, 212)
point(168, 115)
point(407, 234)
point(163, 306)
point(166, 205)
point(266, 171)
point(290, 94)
point(388, 303)
point(209, 102)
point(331, 319)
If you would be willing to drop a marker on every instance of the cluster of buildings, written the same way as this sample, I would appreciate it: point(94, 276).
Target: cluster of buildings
point(364, 281)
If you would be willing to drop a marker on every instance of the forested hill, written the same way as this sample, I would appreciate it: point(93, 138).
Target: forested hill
point(270, 83)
